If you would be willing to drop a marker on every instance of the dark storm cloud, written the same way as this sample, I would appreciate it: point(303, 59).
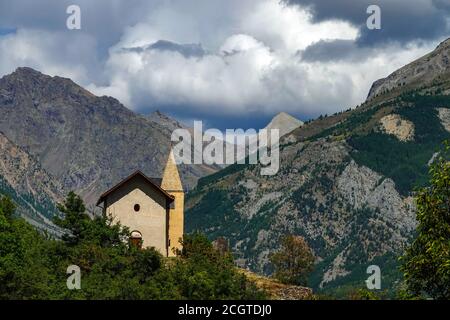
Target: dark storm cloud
point(442, 4)
point(187, 114)
point(187, 50)
point(103, 19)
point(402, 20)
point(334, 50)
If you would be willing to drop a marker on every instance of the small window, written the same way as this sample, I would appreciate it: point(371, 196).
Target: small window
point(137, 207)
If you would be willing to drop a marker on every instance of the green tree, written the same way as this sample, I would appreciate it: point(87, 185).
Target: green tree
point(74, 218)
point(7, 208)
point(23, 269)
point(294, 261)
point(81, 228)
point(426, 263)
point(202, 272)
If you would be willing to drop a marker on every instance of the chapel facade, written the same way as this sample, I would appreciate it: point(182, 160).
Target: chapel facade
point(152, 208)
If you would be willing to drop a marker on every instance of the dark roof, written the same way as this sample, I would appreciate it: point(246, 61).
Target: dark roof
point(156, 182)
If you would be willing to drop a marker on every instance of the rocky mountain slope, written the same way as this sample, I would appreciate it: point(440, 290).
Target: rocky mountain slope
point(433, 66)
point(345, 183)
point(87, 143)
point(165, 121)
point(33, 190)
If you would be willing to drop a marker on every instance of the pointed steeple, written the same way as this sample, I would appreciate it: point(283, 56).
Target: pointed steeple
point(171, 178)
point(171, 183)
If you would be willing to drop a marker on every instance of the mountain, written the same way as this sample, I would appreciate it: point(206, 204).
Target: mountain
point(33, 190)
point(165, 121)
point(172, 125)
point(422, 72)
point(345, 183)
point(87, 143)
point(285, 123)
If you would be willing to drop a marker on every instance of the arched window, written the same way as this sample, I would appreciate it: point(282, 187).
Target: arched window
point(136, 239)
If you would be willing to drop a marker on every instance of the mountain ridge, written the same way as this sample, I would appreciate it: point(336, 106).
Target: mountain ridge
point(417, 73)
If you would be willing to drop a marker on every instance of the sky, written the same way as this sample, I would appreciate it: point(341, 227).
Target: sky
point(230, 63)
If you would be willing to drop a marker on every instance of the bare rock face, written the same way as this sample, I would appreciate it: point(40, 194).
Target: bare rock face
point(34, 191)
point(402, 129)
point(418, 73)
point(362, 187)
point(336, 270)
point(24, 173)
point(444, 115)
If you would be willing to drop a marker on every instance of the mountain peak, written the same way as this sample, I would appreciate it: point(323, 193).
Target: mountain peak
point(284, 115)
point(26, 70)
point(30, 82)
point(285, 123)
point(416, 74)
point(27, 73)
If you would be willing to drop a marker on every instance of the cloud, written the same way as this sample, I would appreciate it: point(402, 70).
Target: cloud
point(247, 78)
point(168, 78)
point(402, 20)
point(442, 4)
point(187, 50)
point(51, 52)
point(245, 75)
point(232, 63)
point(104, 20)
point(335, 50)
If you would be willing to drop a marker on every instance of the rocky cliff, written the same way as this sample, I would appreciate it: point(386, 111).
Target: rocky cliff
point(34, 191)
